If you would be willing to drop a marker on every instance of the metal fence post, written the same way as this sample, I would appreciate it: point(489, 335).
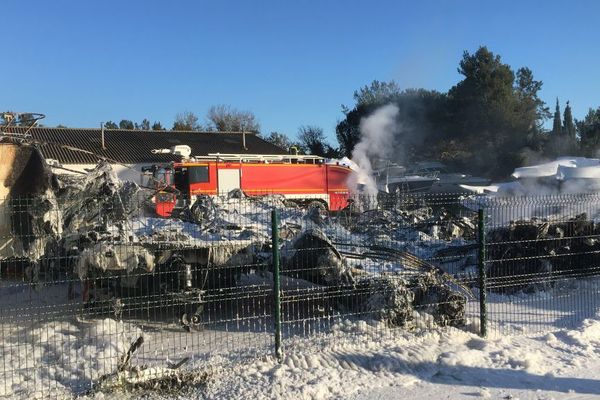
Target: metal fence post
point(276, 284)
point(482, 272)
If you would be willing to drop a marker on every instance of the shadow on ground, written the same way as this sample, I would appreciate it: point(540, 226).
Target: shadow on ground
point(476, 377)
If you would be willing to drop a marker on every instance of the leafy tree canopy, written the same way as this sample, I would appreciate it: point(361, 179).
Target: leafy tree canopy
point(157, 126)
point(111, 125)
point(483, 124)
point(126, 124)
point(589, 132)
point(279, 139)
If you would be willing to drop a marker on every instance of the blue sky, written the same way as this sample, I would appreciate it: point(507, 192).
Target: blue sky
point(289, 62)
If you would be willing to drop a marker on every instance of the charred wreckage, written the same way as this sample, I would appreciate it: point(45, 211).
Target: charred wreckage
point(108, 235)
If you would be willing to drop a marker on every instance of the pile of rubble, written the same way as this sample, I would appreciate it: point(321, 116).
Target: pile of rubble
point(396, 297)
point(97, 199)
point(400, 300)
point(436, 222)
point(528, 253)
point(105, 228)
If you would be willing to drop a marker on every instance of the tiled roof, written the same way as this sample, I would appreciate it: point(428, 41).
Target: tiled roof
point(135, 146)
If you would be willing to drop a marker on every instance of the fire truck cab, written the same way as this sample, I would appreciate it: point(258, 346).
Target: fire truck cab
point(299, 179)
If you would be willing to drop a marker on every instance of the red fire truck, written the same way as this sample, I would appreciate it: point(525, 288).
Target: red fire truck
point(300, 179)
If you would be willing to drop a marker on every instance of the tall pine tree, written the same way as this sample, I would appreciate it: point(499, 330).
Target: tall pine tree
point(557, 125)
point(569, 126)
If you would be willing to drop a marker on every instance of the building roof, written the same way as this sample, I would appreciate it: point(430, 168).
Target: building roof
point(135, 146)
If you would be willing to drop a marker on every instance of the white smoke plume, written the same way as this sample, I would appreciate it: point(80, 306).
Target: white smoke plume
point(377, 133)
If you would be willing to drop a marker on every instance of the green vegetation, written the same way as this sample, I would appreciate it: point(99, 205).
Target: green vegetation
point(490, 122)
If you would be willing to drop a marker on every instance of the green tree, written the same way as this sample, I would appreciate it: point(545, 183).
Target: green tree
point(563, 137)
point(156, 126)
point(481, 100)
point(423, 117)
point(186, 121)
point(111, 125)
point(279, 139)
point(495, 117)
point(144, 125)
point(483, 124)
point(569, 126)
point(377, 93)
point(589, 132)
point(532, 108)
point(557, 123)
point(347, 130)
point(126, 124)
point(312, 141)
point(367, 99)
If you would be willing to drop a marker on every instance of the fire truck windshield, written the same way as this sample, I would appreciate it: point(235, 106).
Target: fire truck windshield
point(163, 176)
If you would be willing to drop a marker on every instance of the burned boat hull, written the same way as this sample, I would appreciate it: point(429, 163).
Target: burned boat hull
point(452, 183)
point(410, 184)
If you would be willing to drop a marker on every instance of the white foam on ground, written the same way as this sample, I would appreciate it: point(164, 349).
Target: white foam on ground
point(365, 362)
point(357, 359)
point(52, 358)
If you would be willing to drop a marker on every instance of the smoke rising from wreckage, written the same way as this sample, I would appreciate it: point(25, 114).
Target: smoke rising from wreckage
point(401, 259)
point(96, 218)
point(106, 228)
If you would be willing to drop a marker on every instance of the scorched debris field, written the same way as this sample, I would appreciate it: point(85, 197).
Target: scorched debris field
point(101, 295)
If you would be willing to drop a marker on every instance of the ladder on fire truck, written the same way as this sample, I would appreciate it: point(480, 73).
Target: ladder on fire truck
point(266, 158)
point(185, 152)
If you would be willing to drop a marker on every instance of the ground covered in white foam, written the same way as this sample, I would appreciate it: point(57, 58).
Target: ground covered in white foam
point(355, 360)
point(363, 361)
